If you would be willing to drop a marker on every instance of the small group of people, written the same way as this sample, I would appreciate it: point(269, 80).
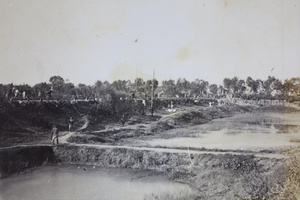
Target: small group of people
point(54, 131)
point(14, 93)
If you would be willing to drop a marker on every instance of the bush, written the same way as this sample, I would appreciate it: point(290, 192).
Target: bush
point(291, 189)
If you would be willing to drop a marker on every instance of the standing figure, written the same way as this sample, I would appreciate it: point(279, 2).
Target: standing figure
point(144, 102)
point(12, 92)
point(16, 93)
point(24, 95)
point(143, 106)
point(40, 95)
point(172, 105)
point(54, 135)
point(49, 93)
point(71, 122)
point(122, 120)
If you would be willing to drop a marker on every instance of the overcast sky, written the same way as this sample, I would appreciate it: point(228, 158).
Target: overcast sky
point(89, 40)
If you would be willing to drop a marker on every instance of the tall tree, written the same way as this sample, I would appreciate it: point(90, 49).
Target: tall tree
point(227, 83)
point(273, 87)
point(199, 87)
point(252, 84)
point(169, 88)
point(140, 85)
point(292, 89)
point(58, 84)
point(182, 85)
point(213, 88)
point(148, 87)
point(121, 85)
point(231, 84)
point(277, 86)
point(69, 89)
point(84, 90)
point(234, 84)
point(241, 87)
point(39, 90)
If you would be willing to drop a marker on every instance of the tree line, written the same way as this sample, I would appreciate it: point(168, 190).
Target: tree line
point(251, 89)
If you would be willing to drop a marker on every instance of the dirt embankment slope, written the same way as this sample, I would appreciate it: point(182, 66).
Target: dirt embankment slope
point(20, 159)
point(31, 123)
point(213, 176)
point(138, 126)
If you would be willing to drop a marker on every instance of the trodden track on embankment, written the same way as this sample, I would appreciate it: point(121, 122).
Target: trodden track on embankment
point(65, 135)
point(163, 150)
point(63, 140)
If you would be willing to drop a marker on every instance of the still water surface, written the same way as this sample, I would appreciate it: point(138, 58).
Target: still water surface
point(250, 131)
point(85, 183)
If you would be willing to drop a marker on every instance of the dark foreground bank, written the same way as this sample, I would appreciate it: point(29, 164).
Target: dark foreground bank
point(212, 176)
point(17, 160)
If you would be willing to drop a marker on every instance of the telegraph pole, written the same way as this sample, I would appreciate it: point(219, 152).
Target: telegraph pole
point(152, 96)
point(135, 82)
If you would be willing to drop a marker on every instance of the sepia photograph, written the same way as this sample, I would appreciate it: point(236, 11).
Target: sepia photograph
point(149, 99)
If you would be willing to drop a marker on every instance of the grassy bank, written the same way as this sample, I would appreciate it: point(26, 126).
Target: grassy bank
point(31, 123)
point(211, 176)
point(291, 183)
point(139, 126)
point(165, 124)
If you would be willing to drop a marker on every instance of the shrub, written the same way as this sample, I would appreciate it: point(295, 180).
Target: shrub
point(291, 189)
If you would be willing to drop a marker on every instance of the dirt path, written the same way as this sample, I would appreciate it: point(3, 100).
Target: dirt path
point(65, 135)
point(163, 150)
point(183, 151)
point(63, 140)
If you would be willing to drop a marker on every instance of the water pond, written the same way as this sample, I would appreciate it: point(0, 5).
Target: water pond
point(86, 182)
point(250, 131)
